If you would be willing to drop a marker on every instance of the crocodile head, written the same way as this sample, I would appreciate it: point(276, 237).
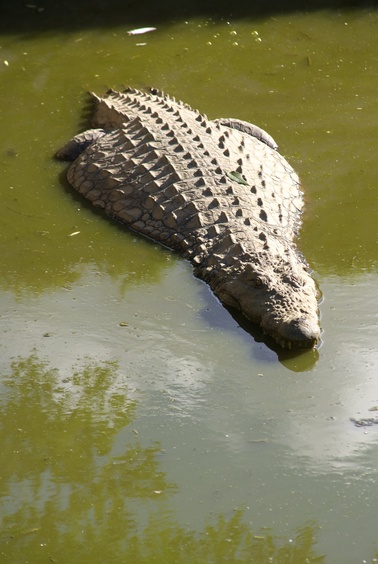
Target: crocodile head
point(281, 297)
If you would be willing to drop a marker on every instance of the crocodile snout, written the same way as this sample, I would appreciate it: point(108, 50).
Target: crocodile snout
point(298, 333)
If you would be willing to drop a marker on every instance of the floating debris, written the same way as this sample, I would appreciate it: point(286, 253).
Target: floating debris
point(35, 7)
point(368, 422)
point(237, 177)
point(141, 30)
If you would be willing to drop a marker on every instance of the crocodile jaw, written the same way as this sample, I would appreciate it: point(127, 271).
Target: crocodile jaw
point(295, 333)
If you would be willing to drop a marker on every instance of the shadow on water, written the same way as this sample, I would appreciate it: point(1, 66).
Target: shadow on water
point(77, 484)
point(44, 15)
point(293, 360)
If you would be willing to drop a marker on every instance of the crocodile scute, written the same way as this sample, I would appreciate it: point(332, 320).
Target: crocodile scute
point(218, 191)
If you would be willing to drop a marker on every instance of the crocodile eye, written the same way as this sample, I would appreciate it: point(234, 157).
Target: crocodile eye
point(257, 282)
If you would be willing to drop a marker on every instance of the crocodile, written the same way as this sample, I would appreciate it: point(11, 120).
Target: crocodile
point(217, 190)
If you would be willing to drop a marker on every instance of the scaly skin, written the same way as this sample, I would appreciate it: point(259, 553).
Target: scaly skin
point(217, 191)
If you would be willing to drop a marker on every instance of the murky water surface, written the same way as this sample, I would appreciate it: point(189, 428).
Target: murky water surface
point(139, 422)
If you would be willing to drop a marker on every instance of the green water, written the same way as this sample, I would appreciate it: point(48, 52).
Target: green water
point(139, 422)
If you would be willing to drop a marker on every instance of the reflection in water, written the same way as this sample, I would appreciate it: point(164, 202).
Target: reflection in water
point(300, 361)
point(74, 490)
point(226, 541)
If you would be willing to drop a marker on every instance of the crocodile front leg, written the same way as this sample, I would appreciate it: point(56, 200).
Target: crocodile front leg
point(79, 143)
